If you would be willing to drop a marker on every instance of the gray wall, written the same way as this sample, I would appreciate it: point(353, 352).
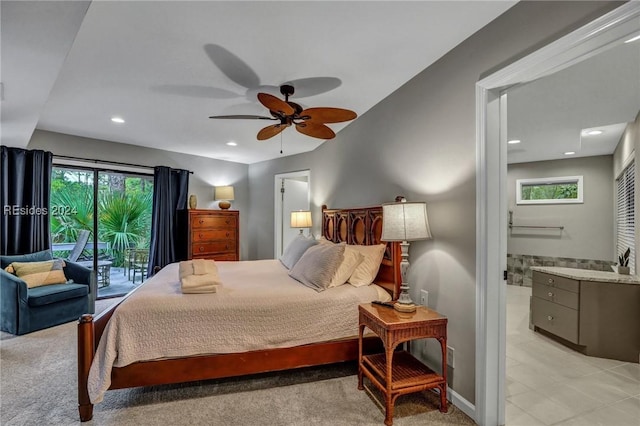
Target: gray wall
point(588, 227)
point(421, 142)
point(207, 172)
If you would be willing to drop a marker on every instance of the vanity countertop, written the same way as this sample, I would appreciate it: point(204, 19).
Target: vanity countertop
point(589, 275)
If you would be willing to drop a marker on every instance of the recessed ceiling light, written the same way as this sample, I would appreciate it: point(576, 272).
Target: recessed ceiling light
point(232, 143)
point(569, 153)
point(513, 141)
point(594, 132)
point(118, 120)
point(631, 40)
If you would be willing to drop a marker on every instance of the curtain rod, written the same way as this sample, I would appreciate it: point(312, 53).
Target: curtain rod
point(91, 160)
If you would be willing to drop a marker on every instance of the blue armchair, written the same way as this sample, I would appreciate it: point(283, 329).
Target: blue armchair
point(24, 309)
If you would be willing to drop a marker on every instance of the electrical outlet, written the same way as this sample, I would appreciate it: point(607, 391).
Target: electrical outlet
point(450, 358)
point(424, 298)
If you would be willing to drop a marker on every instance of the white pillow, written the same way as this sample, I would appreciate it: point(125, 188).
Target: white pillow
point(367, 270)
point(350, 261)
point(317, 266)
point(294, 251)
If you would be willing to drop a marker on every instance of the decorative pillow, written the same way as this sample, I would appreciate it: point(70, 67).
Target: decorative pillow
point(350, 262)
point(318, 264)
point(367, 270)
point(36, 274)
point(295, 250)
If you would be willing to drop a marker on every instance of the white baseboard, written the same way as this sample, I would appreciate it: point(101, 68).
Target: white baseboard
point(465, 406)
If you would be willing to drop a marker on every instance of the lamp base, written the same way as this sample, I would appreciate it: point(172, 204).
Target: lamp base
point(404, 307)
point(224, 205)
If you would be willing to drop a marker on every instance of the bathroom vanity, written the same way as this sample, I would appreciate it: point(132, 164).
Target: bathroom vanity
point(594, 312)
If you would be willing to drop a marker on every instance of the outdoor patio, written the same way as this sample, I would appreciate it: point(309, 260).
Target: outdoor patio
point(119, 284)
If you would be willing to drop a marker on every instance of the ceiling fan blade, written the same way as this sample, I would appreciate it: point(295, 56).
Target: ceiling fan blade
point(315, 130)
point(271, 131)
point(244, 117)
point(313, 85)
point(275, 104)
point(232, 66)
point(328, 115)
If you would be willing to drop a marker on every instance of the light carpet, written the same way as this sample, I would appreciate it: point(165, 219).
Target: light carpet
point(38, 387)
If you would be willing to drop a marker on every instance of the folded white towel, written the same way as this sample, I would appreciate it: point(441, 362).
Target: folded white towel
point(204, 266)
point(185, 269)
point(207, 283)
point(197, 267)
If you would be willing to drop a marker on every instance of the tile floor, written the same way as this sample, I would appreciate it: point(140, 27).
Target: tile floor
point(550, 384)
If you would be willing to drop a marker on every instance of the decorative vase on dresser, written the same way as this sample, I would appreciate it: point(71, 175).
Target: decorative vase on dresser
point(213, 234)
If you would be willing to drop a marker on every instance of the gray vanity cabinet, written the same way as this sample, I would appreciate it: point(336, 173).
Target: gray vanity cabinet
point(597, 318)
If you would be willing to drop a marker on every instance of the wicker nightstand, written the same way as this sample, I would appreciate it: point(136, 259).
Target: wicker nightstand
point(398, 373)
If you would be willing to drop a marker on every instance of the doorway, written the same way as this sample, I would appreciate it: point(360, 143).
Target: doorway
point(611, 29)
point(292, 193)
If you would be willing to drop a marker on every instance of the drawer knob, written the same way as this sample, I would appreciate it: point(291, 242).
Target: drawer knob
point(201, 221)
point(550, 318)
point(550, 294)
point(201, 248)
point(550, 280)
point(228, 234)
point(201, 235)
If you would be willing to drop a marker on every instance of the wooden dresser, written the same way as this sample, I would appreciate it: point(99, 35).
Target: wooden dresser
point(213, 234)
point(594, 312)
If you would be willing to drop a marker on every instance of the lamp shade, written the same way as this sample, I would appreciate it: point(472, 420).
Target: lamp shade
point(223, 193)
point(405, 221)
point(301, 219)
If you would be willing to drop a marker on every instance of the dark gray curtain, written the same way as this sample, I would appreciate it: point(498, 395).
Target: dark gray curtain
point(25, 185)
point(170, 189)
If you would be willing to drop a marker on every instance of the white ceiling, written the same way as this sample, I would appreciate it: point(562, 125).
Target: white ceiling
point(165, 67)
point(550, 115)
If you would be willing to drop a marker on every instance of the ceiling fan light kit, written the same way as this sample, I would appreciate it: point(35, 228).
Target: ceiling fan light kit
point(310, 121)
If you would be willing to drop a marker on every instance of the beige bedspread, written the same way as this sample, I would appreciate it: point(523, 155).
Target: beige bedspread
point(258, 307)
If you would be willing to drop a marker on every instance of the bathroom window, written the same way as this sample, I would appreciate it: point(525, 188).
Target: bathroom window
point(552, 190)
point(625, 216)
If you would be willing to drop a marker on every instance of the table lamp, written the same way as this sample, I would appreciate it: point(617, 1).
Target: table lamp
point(224, 194)
point(405, 221)
point(301, 219)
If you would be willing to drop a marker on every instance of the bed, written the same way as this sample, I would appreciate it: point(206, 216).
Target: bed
point(264, 351)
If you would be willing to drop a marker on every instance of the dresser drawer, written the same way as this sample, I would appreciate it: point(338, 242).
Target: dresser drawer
point(205, 221)
point(217, 256)
point(555, 281)
point(213, 247)
point(555, 318)
point(556, 295)
point(205, 235)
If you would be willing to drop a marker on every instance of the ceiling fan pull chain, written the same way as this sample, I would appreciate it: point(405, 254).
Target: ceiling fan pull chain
point(280, 143)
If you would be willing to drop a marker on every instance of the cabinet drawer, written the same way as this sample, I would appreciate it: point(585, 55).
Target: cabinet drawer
point(556, 295)
point(220, 256)
point(213, 247)
point(554, 318)
point(556, 281)
point(205, 235)
point(206, 221)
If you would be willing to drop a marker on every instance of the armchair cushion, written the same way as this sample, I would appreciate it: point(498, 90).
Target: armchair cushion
point(44, 295)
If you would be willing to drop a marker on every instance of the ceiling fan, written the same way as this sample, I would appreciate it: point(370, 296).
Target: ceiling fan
point(309, 121)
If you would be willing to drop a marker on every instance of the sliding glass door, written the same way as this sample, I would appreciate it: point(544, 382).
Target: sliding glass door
point(115, 241)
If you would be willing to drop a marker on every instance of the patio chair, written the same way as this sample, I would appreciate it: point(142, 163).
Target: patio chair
point(81, 242)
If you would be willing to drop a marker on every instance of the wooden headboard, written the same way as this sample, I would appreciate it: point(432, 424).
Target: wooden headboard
point(363, 226)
